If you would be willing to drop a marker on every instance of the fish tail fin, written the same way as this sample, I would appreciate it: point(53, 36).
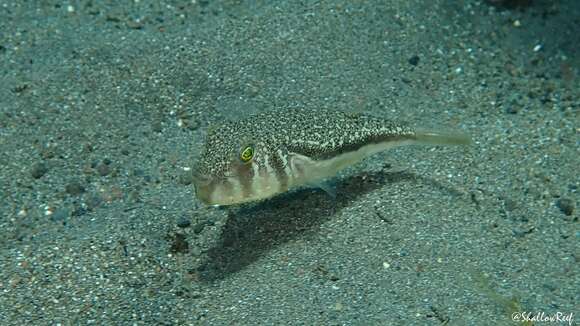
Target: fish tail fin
point(441, 138)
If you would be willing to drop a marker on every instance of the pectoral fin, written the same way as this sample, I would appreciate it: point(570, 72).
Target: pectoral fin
point(327, 186)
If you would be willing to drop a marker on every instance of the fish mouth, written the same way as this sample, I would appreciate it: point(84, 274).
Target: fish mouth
point(228, 191)
point(203, 185)
point(220, 190)
point(200, 179)
point(213, 191)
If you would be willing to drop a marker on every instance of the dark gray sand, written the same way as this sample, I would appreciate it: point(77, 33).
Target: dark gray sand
point(103, 111)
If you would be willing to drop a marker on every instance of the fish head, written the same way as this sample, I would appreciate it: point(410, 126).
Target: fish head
point(233, 168)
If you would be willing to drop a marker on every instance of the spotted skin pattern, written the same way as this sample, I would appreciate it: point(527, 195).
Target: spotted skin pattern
point(292, 148)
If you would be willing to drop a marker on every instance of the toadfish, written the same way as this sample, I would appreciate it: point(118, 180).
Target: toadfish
point(270, 153)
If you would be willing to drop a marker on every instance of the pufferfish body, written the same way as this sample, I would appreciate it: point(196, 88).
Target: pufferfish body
point(270, 153)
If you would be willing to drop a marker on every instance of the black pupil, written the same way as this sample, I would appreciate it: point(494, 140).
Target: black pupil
point(247, 154)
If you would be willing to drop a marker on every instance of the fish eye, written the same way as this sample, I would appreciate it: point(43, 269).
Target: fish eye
point(247, 153)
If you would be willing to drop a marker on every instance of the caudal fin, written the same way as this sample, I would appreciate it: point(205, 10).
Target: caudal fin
point(441, 138)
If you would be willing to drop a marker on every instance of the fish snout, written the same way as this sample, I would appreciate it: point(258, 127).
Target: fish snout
point(200, 179)
point(202, 184)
